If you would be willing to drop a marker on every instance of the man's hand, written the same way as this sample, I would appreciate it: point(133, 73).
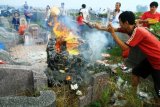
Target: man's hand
point(110, 28)
point(97, 26)
point(140, 21)
point(100, 27)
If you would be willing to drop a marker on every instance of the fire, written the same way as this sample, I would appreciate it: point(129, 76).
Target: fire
point(68, 78)
point(64, 35)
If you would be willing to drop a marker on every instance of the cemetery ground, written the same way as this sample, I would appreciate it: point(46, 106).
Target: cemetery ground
point(65, 97)
point(125, 95)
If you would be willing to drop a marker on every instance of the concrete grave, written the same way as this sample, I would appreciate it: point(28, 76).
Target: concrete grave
point(94, 92)
point(85, 100)
point(46, 99)
point(17, 81)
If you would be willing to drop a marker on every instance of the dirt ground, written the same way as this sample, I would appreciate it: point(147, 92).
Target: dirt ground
point(34, 54)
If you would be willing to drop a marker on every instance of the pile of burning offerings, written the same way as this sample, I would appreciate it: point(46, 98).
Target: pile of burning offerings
point(65, 57)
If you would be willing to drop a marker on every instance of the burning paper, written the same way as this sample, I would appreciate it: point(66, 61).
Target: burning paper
point(74, 86)
point(66, 38)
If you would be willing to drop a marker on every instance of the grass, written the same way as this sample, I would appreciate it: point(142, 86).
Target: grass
point(115, 55)
point(65, 97)
point(128, 94)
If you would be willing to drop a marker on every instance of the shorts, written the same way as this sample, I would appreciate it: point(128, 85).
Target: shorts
point(144, 69)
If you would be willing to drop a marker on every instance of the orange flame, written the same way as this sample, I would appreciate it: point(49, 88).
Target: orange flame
point(63, 34)
point(68, 78)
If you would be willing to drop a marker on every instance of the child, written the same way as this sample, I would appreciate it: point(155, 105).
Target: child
point(15, 21)
point(22, 27)
point(80, 22)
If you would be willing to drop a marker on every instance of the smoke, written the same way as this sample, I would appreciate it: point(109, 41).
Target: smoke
point(69, 23)
point(97, 43)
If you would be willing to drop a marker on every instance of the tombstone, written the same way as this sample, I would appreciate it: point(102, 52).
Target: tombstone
point(36, 34)
point(99, 83)
point(85, 100)
point(34, 30)
point(4, 22)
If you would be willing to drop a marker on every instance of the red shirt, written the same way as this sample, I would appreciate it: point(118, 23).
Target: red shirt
point(80, 20)
point(148, 43)
point(22, 29)
point(148, 14)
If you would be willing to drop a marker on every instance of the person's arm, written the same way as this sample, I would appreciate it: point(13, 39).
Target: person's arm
point(123, 46)
point(143, 19)
point(98, 26)
point(105, 28)
point(140, 21)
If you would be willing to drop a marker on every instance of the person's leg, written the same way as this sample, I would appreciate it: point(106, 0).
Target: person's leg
point(141, 70)
point(135, 81)
point(156, 80)
point(17, 27)
point(29, 21)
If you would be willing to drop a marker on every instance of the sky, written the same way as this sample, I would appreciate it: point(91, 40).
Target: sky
point(76, 4)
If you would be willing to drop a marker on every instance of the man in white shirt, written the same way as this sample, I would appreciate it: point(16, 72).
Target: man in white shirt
point(85, 12)
point(63, 11)
point(116, 12)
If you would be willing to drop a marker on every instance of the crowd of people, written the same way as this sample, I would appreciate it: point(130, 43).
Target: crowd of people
point(20, 24)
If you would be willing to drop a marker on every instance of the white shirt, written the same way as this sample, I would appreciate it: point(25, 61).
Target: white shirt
point(63, 11)
point(116, 16)
point(85, 13)
point(48, 12)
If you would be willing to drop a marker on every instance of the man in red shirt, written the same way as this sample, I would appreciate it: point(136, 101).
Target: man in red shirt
point(148, 44)
point(152, 16)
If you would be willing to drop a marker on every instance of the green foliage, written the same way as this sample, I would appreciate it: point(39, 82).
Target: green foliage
point(138, 14)
point(103, 15)
point(107, 93)
point(156, 30)
point(95, 104)
point(115, 53)
point(105, 97)
point(132, 98)
point(124, 76)
point(74, 14)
